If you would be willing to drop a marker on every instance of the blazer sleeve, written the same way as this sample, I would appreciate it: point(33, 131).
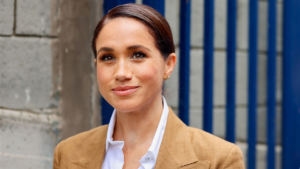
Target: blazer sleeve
point(56, 160)
point(234, 159)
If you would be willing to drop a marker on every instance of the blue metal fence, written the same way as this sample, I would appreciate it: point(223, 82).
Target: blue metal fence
point(159, 5)
point(271, 85)
point(291, 75)
point(291, 85)
point(184, 64)
point(252, 82)
point(208, 65)
point(231, 69)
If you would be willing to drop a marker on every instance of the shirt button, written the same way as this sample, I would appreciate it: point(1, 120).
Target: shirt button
point(148, 158)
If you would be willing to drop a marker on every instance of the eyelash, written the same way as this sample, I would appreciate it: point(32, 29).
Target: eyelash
point(104, 58)
point(140, 54)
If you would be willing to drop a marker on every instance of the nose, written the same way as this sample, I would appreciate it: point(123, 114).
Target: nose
point(123, 71)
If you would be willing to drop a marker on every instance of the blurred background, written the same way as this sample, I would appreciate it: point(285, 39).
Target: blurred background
point(239, 77)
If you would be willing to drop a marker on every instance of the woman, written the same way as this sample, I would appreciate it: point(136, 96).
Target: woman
point(134, 55)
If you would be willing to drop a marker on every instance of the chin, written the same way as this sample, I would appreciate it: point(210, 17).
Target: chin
point(125, 109)
point(127, 106)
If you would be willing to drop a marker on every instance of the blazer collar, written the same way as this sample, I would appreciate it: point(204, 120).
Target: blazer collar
point(176, 149)
point(93, 153)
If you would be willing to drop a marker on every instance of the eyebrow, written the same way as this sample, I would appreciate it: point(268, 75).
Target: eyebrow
point(107, 49)
point(137, 46)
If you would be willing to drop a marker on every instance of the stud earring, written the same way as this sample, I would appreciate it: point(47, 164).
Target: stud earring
point(166, 77)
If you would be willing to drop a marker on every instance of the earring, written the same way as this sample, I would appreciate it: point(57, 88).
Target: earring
point(166, 77)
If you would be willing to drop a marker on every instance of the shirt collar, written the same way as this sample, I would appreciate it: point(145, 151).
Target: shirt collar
point(157, 139)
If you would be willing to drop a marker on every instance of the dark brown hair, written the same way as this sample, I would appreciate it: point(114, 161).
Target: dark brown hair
point(158, 27)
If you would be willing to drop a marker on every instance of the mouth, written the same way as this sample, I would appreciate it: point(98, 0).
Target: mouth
point(124, 90)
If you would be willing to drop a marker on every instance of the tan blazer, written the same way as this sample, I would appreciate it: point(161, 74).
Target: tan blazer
point(182, 147)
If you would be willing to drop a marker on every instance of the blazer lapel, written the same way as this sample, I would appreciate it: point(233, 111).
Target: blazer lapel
point(176, 150)
point(92, 154)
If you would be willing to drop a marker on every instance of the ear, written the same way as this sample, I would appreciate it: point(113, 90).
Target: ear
point(170, 64)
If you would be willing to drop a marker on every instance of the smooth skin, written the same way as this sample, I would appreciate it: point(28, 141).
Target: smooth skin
point(130, 74)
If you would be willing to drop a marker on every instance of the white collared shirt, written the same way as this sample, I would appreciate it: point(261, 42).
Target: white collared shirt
point(114, 158)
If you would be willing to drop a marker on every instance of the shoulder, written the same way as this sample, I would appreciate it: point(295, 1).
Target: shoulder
point(87, 136)
point(80, 145)
point(219, 152)
point(201, 138)
point(81, 140)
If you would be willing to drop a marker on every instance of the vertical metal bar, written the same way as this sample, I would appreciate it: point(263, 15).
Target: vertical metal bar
point(106, 108)
point(158, 5)
point(120, 2)
point(271, 84)
point(106, 111)
point(208, 65)
point(287, 109)
point(108, 5)
point(291, 83)
point(252, 83)
point(184, 64)
point(231, 69)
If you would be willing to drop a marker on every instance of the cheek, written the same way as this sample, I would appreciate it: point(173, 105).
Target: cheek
point(151, 74)
point(103, 76)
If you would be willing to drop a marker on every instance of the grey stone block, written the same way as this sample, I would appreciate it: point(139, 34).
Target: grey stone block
point(6, 17)
point(197, 23)
point(175, 111)
point(172, 15)
point(261, 155)
point(219, 78)
point(12, 161)
point(33, 17)
point(196, 88)
point(242, 124)
point(25, 68)
point(220, 23)
point(219, 123)
point(138, 1)
point(243, 24)
point(196, 78)
point(29, 140)
point(196, 120)
point(242, 78)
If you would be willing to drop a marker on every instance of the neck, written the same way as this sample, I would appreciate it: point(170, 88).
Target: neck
point(138, 127)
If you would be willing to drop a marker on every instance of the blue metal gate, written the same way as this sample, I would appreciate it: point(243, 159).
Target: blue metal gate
point(291, 75)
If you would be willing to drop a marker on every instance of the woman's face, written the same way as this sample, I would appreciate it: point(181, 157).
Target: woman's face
point(130, 69)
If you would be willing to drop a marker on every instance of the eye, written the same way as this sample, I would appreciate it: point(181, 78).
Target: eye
point(107, 58)
point(138, 55)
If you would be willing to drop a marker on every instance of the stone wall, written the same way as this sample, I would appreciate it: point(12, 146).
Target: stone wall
point(196, 74)
point(48, 90)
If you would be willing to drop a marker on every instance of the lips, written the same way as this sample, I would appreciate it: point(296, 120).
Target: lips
point(124, 90)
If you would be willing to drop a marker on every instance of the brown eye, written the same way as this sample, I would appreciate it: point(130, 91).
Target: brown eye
point(107, 58)
point(138, 55)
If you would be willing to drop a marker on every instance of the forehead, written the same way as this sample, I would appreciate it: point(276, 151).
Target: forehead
point(125, 30)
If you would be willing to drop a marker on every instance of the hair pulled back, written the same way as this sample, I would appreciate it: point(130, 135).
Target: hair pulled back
point(157, 25)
